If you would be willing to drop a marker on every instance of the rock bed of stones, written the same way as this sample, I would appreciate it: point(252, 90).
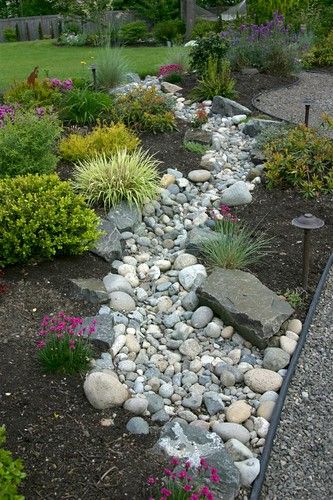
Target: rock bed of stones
point(302, 448)
point(169, 357)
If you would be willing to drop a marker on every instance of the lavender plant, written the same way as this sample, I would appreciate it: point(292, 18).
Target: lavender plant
point(271, 47)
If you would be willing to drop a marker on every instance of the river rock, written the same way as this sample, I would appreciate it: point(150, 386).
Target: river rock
point(136, 405)
point(103, 390)
point(237, 450)
point(121, 301)
point(249, 469)
point(199, 175)
point(226, 107)
point(108, 246)
point(190, 348)
point(229, 430)
point(125, 217)
point(275, 359)
point(117, 283)
point(192, 276)
point(184, 260)
point(238, 412)
point(201, 317)
point(236, 194)
point(261, 380)
point(136, 425)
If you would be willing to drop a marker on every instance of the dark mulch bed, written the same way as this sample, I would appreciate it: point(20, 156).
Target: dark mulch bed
point(67, 452)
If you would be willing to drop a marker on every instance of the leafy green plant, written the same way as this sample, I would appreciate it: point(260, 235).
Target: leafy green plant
point(61, 346)
point(202, 27)
point(295, 297)
point(301, 159)
point(168, 30)
point(195, 147)
point(321, 54)
point(212, 46)
point(144, 109)
point(10, 35)
point(27, 144)
point(132, 177)
point(11, 471)
point(111, 68)
point(105, 140)
point(133, 32)
point(155, 10)
point(42, 93)
point(40, 217)
point(85, 107)
point(234, 247)
point(216, 80)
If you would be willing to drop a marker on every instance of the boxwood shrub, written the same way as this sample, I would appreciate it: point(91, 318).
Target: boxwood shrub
point(40, 217)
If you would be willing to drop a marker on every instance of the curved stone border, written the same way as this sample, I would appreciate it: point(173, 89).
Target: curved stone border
point(264, 459)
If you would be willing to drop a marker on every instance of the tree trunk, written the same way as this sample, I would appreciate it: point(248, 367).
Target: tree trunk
point(188, 13)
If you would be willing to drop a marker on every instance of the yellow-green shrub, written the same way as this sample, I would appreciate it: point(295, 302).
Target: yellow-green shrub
point(41, 216)
point(302, 159)
point(105, 140)
point(321, 54)
point(30, 96)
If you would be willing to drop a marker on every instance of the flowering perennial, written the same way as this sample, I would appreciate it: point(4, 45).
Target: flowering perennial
point(62, 85)
point(6, 111)
point(185, 482)
point(61, 344)
point(170, 69)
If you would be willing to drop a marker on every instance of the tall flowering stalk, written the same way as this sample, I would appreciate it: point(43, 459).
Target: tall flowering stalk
point(185, 481)
point(61, 346)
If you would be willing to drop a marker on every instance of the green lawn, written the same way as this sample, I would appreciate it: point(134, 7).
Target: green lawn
point(18, 59)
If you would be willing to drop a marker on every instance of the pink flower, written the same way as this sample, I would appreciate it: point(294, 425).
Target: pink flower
point(194, 496)
point(166, 492)
point(41, 344)
point(168, 472)
point(187, 465)
point(204, 463)
point(182, 474)
point(175, 461)
point(215, 478)
point(71, 344)
point(151, 480)
point(187, 487)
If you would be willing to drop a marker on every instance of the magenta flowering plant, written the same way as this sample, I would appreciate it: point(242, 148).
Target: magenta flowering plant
point(172, 73)
point(62, 85)
point(6, 112)
point(63, 344)
point(225, 220)
point(185, 481)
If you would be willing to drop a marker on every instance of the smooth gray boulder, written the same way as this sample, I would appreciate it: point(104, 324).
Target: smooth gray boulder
point(125, 217)
point(137, 425)
point(237, 194)
point(226, 107)
point(91, 289)
point(117, 283)
point(109, 244)
point(242, 301)
point(256, 125)
point(179, 439)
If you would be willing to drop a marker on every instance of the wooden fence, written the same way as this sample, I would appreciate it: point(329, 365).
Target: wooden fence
point(36, 27)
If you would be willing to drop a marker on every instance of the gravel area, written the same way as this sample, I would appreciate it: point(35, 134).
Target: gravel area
point(301, 462)
point(287, 103)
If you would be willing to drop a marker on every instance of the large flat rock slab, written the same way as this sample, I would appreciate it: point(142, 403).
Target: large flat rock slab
point(242, 301)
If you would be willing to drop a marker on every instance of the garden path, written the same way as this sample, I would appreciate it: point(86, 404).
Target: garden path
point(287, 103)
point(302, 457)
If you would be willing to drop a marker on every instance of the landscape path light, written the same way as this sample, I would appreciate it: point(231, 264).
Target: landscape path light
point(307, 102)
point(307, 222)
point(93, 70)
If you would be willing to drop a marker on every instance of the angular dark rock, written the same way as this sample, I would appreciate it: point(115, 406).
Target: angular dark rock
point(195, 238)
point(226, 107)
point(198, 135)
point(109, 245)
point(242, 301)
point(103, 328)
point(125, 217)
point(91, 289)
point(256, 125)
point(187, 442)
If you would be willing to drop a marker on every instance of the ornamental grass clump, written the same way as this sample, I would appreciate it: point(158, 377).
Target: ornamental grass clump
point(216, 80)
point(233, 246)
point(61, 346)
point(126, 176)
point(186, 481)
point(111, 68)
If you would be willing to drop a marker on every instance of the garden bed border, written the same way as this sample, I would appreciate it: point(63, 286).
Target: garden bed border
point(264, 459)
